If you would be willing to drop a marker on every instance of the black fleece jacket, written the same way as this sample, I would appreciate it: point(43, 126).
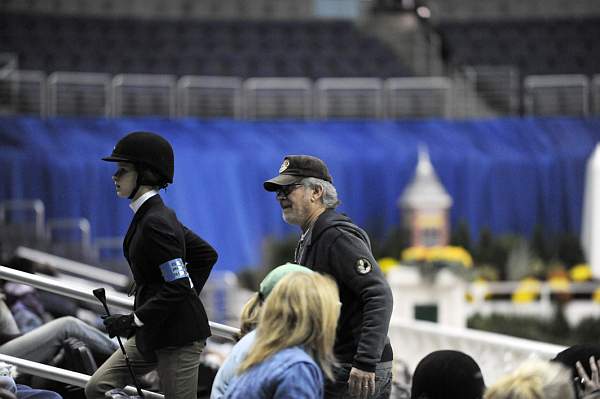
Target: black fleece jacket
point(337, 247)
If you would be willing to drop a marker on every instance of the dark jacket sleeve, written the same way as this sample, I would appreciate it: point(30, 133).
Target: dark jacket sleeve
point(374, 292)
point(200, 257)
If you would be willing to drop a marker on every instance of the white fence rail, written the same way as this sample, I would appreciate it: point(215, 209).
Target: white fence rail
point(496, 354)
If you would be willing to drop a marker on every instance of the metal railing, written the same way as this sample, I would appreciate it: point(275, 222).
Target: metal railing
point(84, 294)
point(566, 95)
point(349, 97)
point(79, 94)
point(595, 89)
point(143, 94)
point(71, 237)
point(412, 340)
point(418, 97)
point(25, 91)
point(74, 267)
point(277, 98)
point(62, 375)
point(36, 207)
point(476, 91)
point(209, 96)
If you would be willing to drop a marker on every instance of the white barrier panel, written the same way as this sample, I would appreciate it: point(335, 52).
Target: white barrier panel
point(496, 354)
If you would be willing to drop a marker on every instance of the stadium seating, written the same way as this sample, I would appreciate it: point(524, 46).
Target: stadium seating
point(565, 46)
point(227, 48)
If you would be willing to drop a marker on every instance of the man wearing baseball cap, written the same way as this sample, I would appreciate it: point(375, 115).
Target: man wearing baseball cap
point(332, 244)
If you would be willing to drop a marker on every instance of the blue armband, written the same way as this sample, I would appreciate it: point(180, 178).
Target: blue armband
point(174, 270)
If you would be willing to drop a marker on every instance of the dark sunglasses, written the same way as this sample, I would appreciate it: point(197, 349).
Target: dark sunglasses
point(287, 190)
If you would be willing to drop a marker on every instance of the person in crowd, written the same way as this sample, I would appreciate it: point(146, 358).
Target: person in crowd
point(42, 304)
point(447, 374)
point(533, 379)
point(10, 389)
point(248, 321)
point(43, 343)
point(293, 347)
point(170, 265)
point(6, 394)
point(582, 360)
point(331, 244)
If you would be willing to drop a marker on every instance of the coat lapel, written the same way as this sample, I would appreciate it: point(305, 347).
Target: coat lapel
point(134, 222)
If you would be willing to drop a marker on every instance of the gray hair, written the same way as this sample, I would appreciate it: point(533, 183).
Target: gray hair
point(330, 196)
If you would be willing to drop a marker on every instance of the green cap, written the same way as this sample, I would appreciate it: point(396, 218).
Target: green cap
point(266, 286)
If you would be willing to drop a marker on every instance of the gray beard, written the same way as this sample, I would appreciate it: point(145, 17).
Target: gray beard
point(288, 220)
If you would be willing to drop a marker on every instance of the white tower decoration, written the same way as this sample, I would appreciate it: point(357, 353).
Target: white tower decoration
point(425, 205)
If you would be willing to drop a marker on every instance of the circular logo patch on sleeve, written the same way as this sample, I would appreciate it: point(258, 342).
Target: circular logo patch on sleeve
point(363, 266)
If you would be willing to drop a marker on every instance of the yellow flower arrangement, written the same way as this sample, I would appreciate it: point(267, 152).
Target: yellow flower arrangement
point(527, 291)
point(581, 272)
point(596, 295)
point(559, 284)
point(387, 264)
point(449, 254)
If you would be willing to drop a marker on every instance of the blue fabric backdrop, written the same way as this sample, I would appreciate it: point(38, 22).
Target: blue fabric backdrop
point(507, 174)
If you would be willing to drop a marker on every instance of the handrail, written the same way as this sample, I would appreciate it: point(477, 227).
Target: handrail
point(497, 354)
point(83, 294)
point(71, 266)
point(62, 375)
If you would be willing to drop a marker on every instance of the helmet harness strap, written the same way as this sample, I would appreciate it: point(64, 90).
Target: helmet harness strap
point(138, 181)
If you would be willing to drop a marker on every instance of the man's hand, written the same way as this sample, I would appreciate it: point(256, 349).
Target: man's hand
point(119, 324)
point(591, 383)
point(361, 384)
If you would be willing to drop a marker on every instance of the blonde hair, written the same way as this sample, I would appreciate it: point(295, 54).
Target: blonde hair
point(302, 310)
point(249, 316)
point(534, 379)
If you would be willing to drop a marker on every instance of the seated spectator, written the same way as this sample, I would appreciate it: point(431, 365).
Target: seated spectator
point(10, 389)
point(248, 322)
point(293, 346)
point(533, 380)
point(43, 343)
point(582, 359)
point(447, 374)
point(6, 394)
point(31, 307)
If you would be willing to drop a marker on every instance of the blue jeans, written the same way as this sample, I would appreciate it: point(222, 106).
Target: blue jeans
point(41, 344)
point(338, 389)
point(26, 392)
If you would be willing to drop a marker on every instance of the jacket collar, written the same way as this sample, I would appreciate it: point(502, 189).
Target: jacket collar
point(147, 205)
point(324, 221)
point(135, 205)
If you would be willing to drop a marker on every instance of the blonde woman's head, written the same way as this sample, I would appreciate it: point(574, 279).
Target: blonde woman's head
point(249, 316)
point(252, 308)
point(535, 379)
point(302, 310)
